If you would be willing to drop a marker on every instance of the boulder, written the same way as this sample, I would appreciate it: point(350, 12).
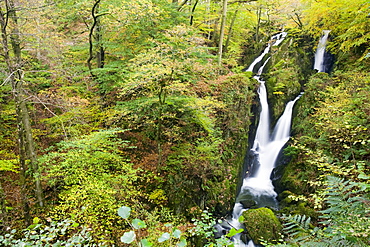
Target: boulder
point(262, 223)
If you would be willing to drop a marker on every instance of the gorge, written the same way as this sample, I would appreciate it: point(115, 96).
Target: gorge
point(257, 189)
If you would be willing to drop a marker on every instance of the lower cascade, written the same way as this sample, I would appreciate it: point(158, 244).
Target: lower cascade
point(257, 189)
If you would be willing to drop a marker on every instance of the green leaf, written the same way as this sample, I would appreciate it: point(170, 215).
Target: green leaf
point(241, 218)
point(128, 237)
point(176, 233)
point(36, 220)
point(168, 225)
point(165, 236)
point(182, 243)
point(363, 176)
point(233, 232)
point(124, 212)
point(145, 243)
point(138, 224)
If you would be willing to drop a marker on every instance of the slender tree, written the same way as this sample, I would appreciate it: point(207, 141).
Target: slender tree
point(231, 29)
point(222, 31)
point(95, 33)
point(259, 16)
point(11, 44)
point(192, 12)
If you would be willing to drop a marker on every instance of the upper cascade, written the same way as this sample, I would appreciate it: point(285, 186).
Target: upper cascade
point(320, 52)
point(274, 41)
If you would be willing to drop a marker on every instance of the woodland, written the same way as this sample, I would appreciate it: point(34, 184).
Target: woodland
point(127, 122)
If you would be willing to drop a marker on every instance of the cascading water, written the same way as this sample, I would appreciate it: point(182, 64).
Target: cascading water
point(320, 53)
point(275, 41)
point(266, 147)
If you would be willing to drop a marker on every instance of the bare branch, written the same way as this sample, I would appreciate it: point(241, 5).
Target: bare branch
point(9, 77)
point(242, 1)
point(55, 115)
point(182, 5)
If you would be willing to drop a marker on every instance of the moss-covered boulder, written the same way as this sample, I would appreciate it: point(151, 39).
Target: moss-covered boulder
point(262, 223)
point(288, 69)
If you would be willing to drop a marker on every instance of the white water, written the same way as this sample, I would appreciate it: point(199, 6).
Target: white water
point(259, 58)
point(320, 52)
point(266, 146)
point(261, 184)
point(275, 40)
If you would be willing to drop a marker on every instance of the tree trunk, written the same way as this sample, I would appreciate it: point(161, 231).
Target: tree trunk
point(95, 23)
point(29, 145)
point(222, 31)
point(100, 56)
point(192, 12)
point(161, 101)
point(208, 11)
point(215, 32)
point(23, 167)
point(259, 13)
point(231, 30)
point(26, 142)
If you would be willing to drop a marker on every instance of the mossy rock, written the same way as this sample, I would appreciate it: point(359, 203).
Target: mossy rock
point(295, 207)
point(262, 223)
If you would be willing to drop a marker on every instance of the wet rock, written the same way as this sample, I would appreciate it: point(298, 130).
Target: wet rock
point(248, 203)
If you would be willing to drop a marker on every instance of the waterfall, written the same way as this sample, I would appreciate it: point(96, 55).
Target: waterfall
point(320, 53)
point(275, 40)
point(266, 148)
point(262, 136)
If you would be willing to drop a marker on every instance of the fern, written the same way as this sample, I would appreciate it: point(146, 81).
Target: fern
point(347, 217)
point(347, 221)
point(296, 222)
point(297, 225)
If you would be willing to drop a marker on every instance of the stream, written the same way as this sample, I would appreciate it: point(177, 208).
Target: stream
point(257, 188)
